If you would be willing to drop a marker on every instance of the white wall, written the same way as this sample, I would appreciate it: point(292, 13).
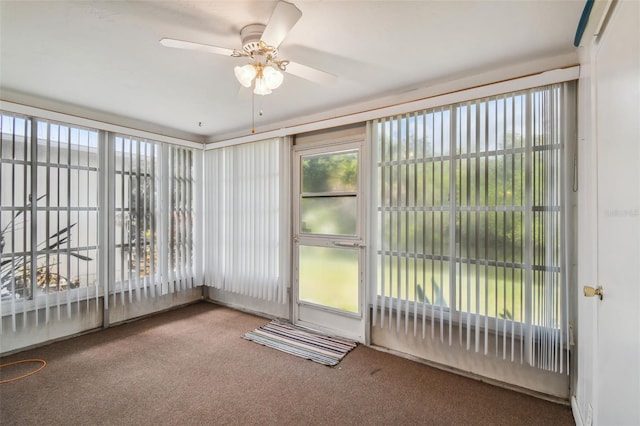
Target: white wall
point(248, 304)
point(85, 316)
point(456, 358)
point(32, 331)
point(607, 384)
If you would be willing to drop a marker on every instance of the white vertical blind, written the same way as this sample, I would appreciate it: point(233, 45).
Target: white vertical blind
point(181, 188)
point(89, 213)
point(472, 222)
point(136, 178)
point(154, 203)
point(245, 203)
point(48, 218)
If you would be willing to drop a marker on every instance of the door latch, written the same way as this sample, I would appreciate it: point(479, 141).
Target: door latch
point(590, 291)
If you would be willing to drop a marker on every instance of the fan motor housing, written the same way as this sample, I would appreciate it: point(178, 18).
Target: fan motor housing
point(250, 36)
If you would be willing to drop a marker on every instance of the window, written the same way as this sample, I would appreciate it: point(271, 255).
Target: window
point(182, 222)
point(329, 193)
point(471, 222)
point(57, 182)
point(48, 211)
point(136, 166)
point(154, 220)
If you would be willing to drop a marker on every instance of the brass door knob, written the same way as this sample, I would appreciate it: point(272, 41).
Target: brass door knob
point(590, 291)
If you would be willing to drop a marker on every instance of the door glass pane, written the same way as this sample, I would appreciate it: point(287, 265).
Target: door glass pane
point(336, 172)
point(335, 286)
point(328, 215)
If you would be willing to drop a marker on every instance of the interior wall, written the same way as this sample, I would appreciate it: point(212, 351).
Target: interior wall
point(121, 312)
point(247, 304)
point(456, 357)
point(85, 316)
point(608, 376)
point(33, 329)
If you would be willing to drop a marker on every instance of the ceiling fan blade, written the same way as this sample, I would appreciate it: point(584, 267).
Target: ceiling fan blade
point(180, 44)
point(311, 74)
point(283, 18)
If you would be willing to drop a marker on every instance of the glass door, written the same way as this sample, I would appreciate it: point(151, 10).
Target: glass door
point(328, 244)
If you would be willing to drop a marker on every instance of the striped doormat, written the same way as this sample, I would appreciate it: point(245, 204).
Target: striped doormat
point(298, 342)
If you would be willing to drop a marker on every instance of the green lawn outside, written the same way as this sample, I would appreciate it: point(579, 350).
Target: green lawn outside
point(500, 289)
point(329, 276)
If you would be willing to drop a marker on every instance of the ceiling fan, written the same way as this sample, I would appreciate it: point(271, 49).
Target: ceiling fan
point(260, 44)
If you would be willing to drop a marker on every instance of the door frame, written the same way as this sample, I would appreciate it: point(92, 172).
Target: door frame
point(326, 319)
point(598, 394)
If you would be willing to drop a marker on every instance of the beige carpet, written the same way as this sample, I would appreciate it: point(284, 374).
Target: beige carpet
point(191, 366)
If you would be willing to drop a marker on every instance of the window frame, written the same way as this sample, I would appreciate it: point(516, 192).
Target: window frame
point(37, 138)
point(180, 191)
point(453, 315)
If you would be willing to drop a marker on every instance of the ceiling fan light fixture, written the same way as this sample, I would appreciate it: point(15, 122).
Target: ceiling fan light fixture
point(261, 87)
point(245, 74)
point(272, 77)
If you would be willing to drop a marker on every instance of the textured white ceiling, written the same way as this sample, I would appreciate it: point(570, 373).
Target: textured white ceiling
point(104, 56)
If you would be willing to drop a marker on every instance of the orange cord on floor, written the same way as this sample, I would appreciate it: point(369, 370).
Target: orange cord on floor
point(43, 362)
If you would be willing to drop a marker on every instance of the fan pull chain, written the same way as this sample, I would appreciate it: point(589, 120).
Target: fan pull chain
point(253, 113)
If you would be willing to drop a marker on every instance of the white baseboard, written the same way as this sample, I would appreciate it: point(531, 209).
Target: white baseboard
point(576, 411)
